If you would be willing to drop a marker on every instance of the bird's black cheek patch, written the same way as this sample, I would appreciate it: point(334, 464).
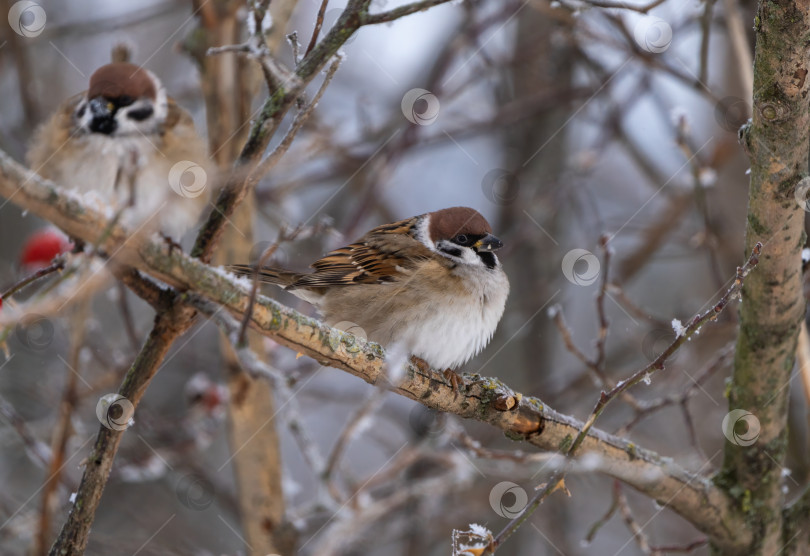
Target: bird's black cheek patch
point(452, 251)
point(487, 258)
point(140, 114)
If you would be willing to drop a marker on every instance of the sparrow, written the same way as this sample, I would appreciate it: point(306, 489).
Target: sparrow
point(132, 145)
point(430, 284)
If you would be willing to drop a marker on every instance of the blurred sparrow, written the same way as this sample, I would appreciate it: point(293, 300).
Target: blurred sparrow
point(131, 144)
point(430, 284)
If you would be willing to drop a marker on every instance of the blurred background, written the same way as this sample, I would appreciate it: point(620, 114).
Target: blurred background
point(562, 122)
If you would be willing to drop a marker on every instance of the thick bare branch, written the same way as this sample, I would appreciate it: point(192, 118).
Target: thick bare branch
point(76, 530)
point(773, 307)
point(530, 420)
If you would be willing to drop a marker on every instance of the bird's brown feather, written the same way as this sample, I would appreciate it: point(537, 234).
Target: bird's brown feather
point(373, 259)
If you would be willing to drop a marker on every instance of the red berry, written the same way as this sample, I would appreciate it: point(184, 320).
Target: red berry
point(42, 246)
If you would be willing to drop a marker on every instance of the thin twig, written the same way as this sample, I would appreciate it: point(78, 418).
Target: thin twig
point(318, 25)
point(627, 516)
point(706, 31)
point(300, 119)
point(601, 340)
point(624, 6)
point(699, 191)
point(35, 449)
point(354, 427)
point(692, 328)
point(57, 264)
point(690, 494)
point(624, 300)
point(275, 74)
point(685, 548)
point(64, 428)
point(597, 364)
point(614, 505)
point(718, 363)
point(126, 317)
point(565, 332)
point(396, 13)
point(292, 38)
point(255, 367)
point(268, 253)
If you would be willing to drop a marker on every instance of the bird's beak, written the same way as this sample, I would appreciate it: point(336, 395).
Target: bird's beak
point(488, 243)
point(103, 116)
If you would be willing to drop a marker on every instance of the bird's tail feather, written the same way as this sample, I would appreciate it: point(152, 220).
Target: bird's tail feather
point(267, 275)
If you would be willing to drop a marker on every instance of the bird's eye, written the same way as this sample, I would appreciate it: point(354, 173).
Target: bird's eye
point(141, 113)
point(461, 239)
point(124, 100)
point(80, 113)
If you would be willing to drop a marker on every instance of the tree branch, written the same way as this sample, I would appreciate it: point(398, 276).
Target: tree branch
point(773, 307)
point(123, 250)
point(243, 177)
point(75, 533)
point(530, 420)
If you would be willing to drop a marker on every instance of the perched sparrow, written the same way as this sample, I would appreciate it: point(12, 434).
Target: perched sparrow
point(126, 140)
point(430, 284)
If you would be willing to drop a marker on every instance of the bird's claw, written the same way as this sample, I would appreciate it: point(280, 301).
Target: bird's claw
point(449, 375)
point(454, 379)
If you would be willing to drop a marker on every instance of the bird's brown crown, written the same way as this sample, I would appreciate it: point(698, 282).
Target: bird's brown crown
point(448, 223)
point(121, 79)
